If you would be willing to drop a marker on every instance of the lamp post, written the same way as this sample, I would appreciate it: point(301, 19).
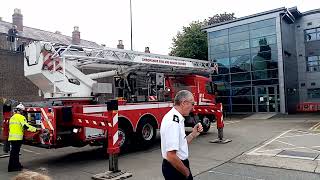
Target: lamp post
point(131, 23)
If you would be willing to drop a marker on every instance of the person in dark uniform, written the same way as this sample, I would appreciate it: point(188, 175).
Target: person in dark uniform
point(174, 142)
point(12, 35)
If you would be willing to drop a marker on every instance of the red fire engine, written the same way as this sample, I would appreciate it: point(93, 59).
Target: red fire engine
point(79, 83)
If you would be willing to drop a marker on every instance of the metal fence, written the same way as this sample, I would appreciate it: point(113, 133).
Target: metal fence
point(13, 43)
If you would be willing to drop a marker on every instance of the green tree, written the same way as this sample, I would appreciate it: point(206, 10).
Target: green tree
point(218, 18)
point(192, 41)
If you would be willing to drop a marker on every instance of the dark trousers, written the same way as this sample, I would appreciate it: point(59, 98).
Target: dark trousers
point(14, 163)
point(171, 173)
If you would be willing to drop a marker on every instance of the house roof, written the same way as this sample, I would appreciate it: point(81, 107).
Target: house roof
point(38, 34)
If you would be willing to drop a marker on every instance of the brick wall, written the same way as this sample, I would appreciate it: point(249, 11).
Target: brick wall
point(13, 84)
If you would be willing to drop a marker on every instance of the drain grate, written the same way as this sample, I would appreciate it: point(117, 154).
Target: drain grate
point(298, 154)
point(112, 175)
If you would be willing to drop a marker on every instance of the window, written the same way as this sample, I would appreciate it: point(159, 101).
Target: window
point(314, 93)
point(219, 49)
point(242, 100)
point(265, 74)
point(312, 34)
point(303, 84)
point(241, 84)
point(258, 49)
point(263, 41)
point(239, 45)
point(223, 64)
point(239, 36)
point(261, 24)
point(237, 29)
point(313, 63)
point(240, 91)
point(240, 63)
point(313, 84)
point(265, 82)
point(219, 40)
point(265, 56)
point(214, 34)
point(263, 32)
point(263, 65)
point(240, 77)
point(221, 78)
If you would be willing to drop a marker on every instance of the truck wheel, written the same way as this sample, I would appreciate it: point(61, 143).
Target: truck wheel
point(124, 136)
point(146, 133)
point(124, 140)
point(206, 124)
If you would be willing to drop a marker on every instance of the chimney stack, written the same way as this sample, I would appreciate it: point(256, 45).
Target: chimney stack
point(146, 50)
point(17, 19)
point(120, 45)
point(76, 36)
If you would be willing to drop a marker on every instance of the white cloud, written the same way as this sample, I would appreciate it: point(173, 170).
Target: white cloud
point(155, 22)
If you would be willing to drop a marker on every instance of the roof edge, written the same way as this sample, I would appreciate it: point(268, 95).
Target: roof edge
point(245, 17)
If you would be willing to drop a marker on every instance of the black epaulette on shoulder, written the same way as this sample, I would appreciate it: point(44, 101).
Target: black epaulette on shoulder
point(175, 118)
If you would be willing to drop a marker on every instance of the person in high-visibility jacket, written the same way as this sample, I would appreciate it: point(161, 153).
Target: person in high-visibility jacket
point(17, 125)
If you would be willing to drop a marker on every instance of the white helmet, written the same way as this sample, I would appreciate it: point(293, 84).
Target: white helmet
point(20, 107)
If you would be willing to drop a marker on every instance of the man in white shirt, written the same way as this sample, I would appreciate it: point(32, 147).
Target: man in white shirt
point(174, 142)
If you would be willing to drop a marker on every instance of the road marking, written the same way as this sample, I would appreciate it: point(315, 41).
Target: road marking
point(26, 150)
point(230, 122)
point(314, 134)
point(269, 142)
point(226, 123)
point(295, 147)
point(314, 126)
point(295, 157)
point(235, 175)
point(285, 143)
point(282, 149)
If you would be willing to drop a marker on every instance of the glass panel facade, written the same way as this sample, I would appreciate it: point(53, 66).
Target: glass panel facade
point(239, 36)
point(263, 41)
point(314, 93)
point(240, 64)
point(247, 57)
point(266, 31)
point(312, 34)
point(219, 40)
point(313, 63)
point(239, 45)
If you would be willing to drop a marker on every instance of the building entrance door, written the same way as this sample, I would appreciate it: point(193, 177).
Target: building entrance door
point(266, 98)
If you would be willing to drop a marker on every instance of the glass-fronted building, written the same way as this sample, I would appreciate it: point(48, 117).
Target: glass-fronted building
point(257, 58)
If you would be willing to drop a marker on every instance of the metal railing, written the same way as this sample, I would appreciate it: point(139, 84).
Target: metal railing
point(13, 43)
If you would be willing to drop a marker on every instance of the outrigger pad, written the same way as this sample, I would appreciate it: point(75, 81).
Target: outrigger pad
point(109, 175)
point(220, 141)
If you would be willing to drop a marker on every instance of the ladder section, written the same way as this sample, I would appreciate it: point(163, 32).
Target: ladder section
point(86, 57)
